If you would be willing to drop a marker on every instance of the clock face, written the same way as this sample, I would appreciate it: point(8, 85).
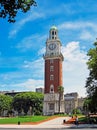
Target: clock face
point(52, 46)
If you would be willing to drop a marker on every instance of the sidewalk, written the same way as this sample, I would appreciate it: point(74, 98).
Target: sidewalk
point(54, 123)
point(81, 126)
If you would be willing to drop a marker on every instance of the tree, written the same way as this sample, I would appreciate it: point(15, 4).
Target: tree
point(76, 111)
point(28, 101)
point(5, 103)
point(91, 83)
point(60, 90)
point(10, 8)
point(87, 105)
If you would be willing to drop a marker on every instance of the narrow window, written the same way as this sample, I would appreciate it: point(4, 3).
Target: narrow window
point(51, 68)
point(51, 77)
point(51, 61)
point(52, 32)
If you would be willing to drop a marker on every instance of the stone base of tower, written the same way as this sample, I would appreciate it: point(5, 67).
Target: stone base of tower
point(51, 104)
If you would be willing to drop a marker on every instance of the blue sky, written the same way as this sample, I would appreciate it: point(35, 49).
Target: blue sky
point(22, 44)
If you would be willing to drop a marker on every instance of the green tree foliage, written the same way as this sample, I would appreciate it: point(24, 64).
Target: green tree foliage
point(28, 101)
point(91, 83)
point(87, 105)
point(5, 103)
point(76, 111)
point(9, 8)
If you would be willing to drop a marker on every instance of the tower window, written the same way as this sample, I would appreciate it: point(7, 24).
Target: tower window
point(51, 77)
point(51, 68)
point(52, 37)
point(51, 61)
point(52, 32)
point(51, 88)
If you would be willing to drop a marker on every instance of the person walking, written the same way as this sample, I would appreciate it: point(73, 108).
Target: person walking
point(76, 121)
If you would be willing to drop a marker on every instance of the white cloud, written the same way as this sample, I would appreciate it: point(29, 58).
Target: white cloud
point(68, 9)
point(42, 51)
point(18, 25)
point(74, 68)
point(27, 43)
point(31, 42)
point(27, 69)
point(73, 54)
point(86, 35)
point(84, 30)
point(33, 64)
point(75, 71)
point(34, 68)
point(29, 84)
point(77, 25)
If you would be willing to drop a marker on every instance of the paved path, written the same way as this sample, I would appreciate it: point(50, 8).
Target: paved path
point(54, 123)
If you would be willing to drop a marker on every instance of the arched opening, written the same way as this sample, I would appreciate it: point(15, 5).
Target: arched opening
point(51, 88)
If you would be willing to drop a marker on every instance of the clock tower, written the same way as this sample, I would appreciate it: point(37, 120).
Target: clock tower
point(53, 74)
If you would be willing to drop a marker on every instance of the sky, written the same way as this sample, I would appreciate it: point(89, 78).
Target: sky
point(22, 44)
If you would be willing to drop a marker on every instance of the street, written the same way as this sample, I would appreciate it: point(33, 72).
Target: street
point(47, 128)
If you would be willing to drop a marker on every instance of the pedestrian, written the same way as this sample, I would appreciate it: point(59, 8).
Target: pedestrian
point(76, 121)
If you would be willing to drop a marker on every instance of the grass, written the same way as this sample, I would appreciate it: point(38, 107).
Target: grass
point(83, 119)
point(24, 119)
point(88, 120)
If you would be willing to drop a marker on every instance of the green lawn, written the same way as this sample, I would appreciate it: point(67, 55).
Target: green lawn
point(88, 120)
point(24, 119)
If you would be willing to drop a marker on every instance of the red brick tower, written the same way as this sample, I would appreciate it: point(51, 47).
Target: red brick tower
point(53, 73)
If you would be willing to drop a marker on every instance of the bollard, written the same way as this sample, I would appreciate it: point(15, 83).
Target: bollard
point(18, 122)
point(64, 121)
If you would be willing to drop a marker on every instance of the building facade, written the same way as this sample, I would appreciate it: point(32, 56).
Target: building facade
point(72, 101)
point(40, 90)
point(53, 74)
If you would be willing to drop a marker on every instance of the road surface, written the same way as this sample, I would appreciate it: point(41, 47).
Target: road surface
point(56, 123)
